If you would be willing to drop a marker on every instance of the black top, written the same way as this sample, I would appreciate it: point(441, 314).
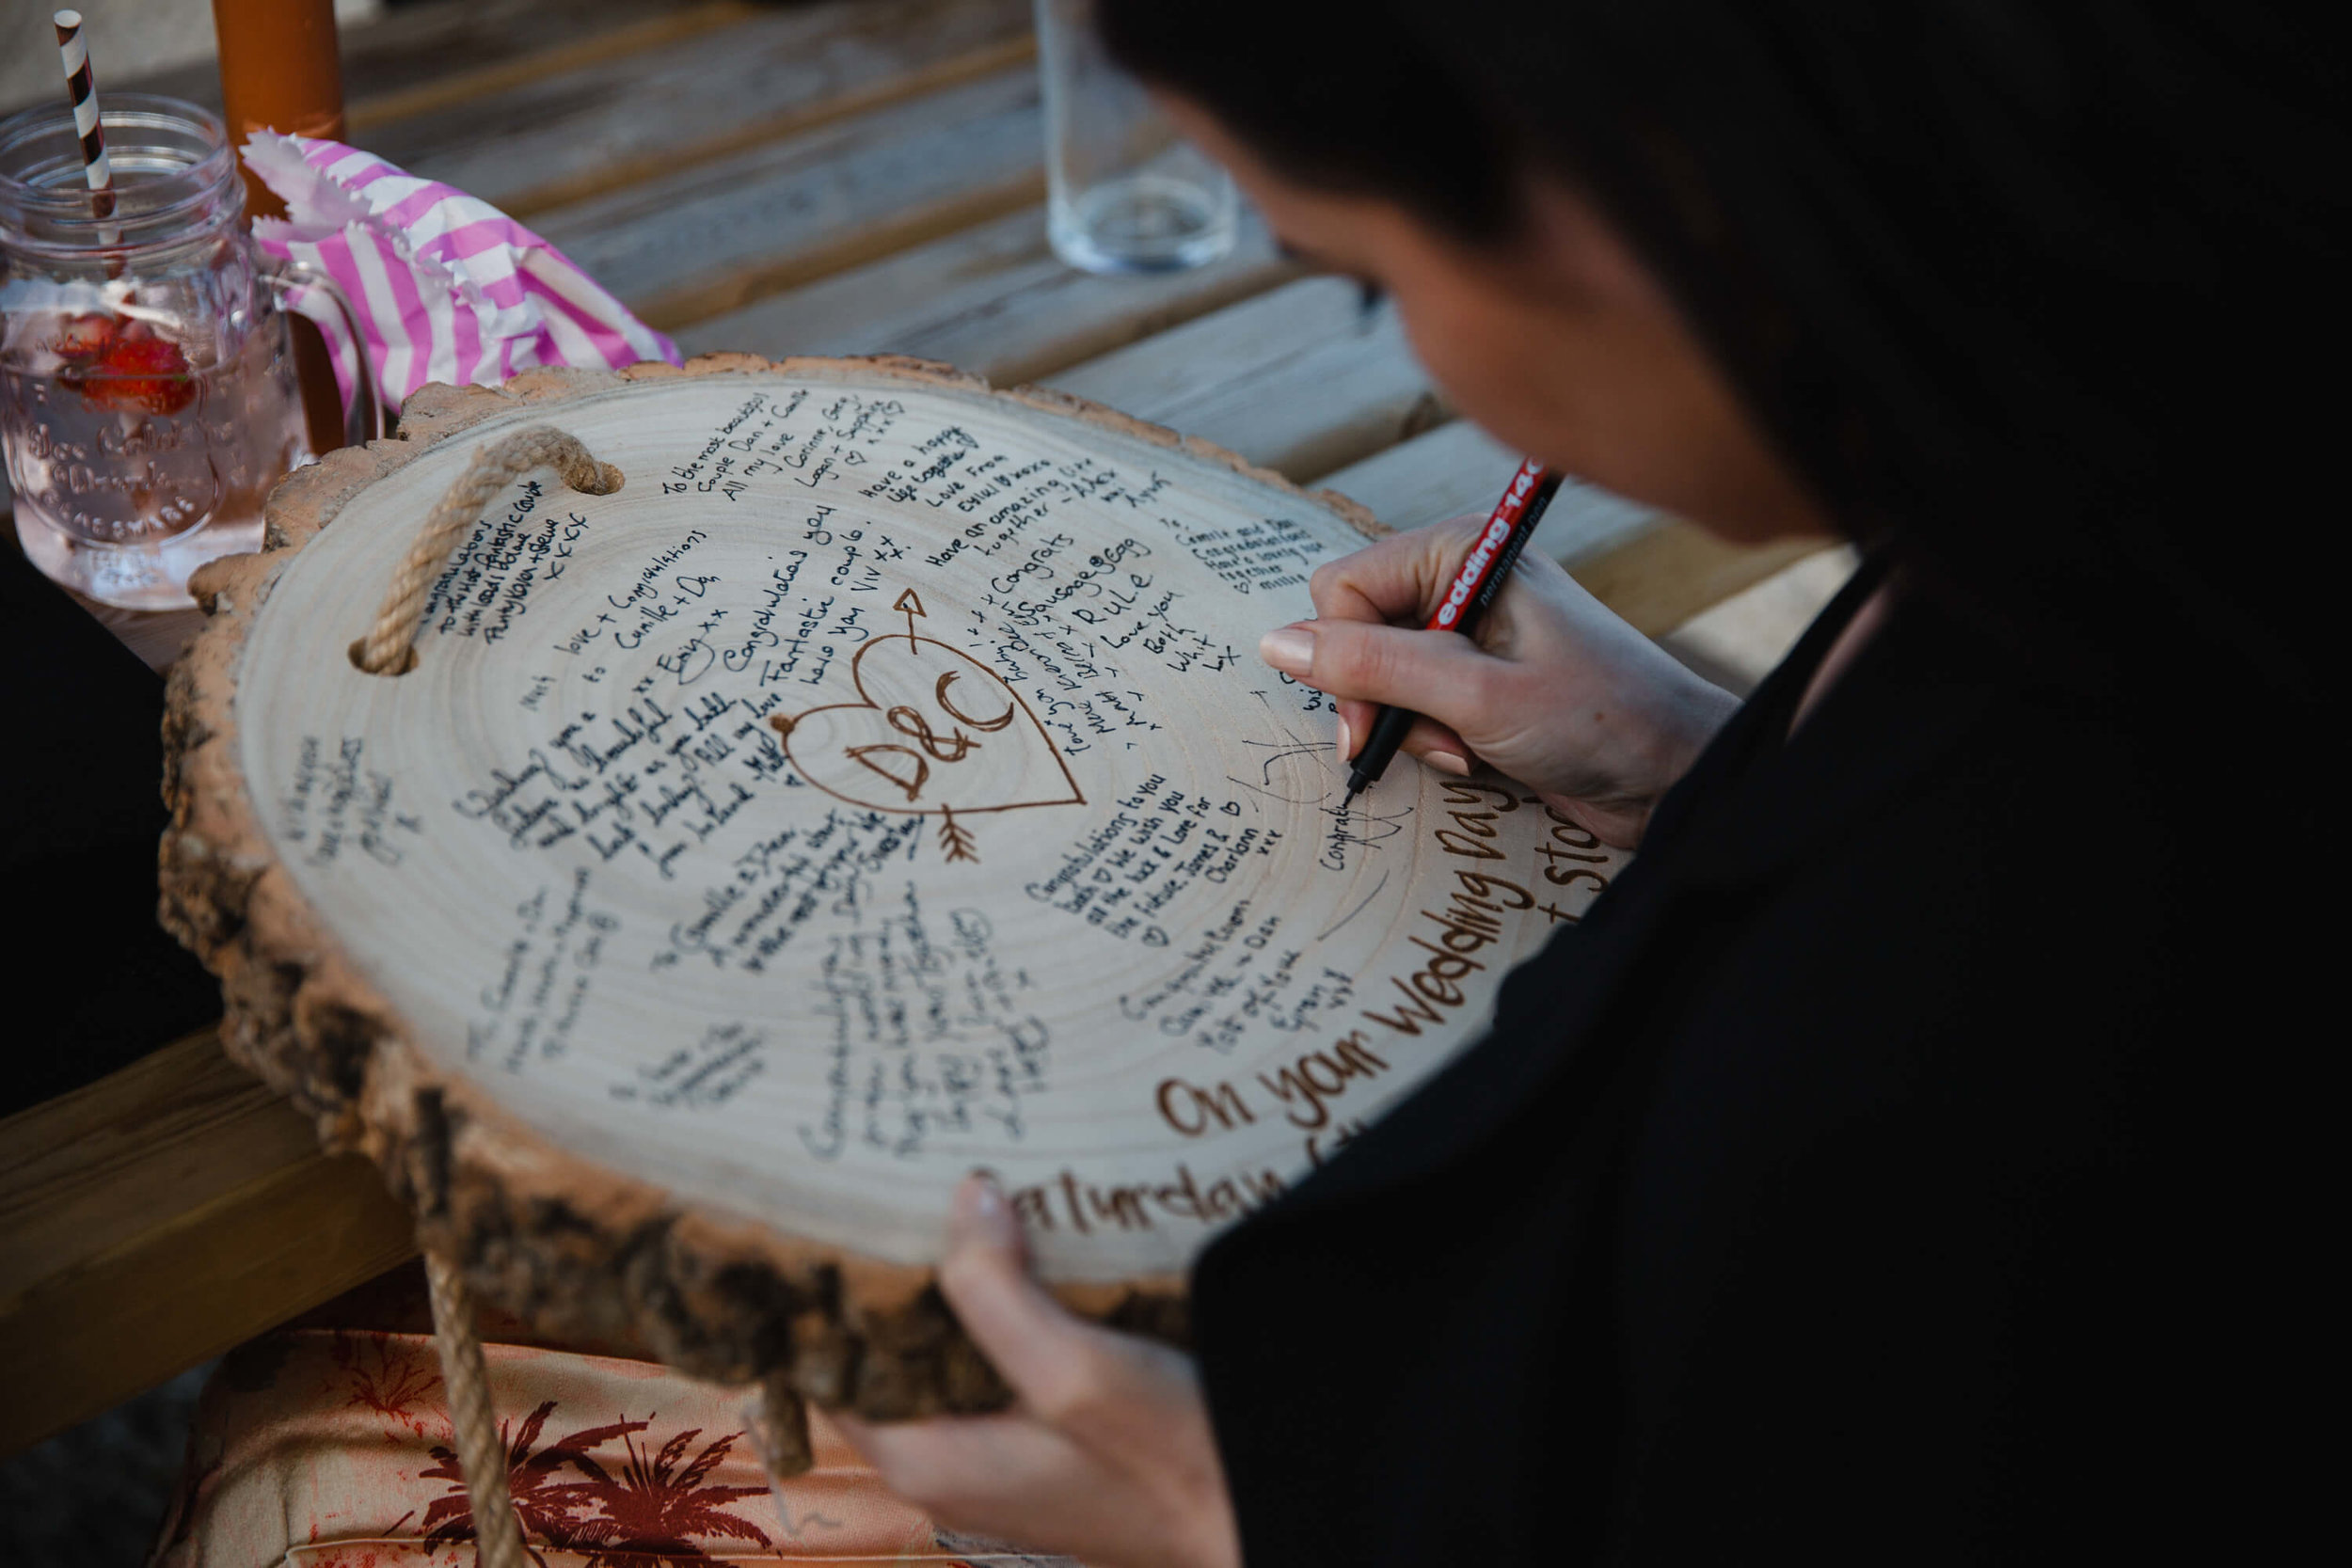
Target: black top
point(1860, 1178)
point(94, 983)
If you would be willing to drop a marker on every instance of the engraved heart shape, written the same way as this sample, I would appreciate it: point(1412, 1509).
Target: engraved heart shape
point(935, 730)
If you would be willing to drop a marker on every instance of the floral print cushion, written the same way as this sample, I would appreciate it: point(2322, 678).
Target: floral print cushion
point(332, 1448)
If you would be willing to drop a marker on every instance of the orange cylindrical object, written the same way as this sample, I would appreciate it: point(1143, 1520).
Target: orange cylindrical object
point(278, 71)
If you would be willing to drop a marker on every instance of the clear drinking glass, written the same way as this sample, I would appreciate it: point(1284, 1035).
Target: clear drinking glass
point(1125, 193)
point(147, 399)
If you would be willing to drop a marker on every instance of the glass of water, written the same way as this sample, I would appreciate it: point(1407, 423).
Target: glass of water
point(1125, 192)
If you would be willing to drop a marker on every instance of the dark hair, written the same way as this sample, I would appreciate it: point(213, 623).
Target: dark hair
point(2041, 293)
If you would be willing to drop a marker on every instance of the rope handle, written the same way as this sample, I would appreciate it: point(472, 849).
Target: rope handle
point(390, 649)
point(481, 1446)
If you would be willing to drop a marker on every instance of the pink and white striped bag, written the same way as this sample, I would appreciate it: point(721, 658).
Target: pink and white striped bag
point(445, 286)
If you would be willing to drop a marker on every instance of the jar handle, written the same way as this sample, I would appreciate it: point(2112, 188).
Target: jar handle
point(284, 275)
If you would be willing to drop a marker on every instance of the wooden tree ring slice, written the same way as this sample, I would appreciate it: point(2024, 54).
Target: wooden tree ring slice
point(883, 785)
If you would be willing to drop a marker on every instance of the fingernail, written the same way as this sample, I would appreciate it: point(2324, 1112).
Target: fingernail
point(982, 1216)
point(1289, 649)
point(980, 1198)
point(1446, 762)
point(1347, 742)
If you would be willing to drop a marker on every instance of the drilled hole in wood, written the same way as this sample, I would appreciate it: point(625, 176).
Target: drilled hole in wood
point(358, 648)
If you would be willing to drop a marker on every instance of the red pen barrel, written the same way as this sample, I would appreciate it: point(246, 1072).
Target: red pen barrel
point(1474, 587)
point(1530, 491)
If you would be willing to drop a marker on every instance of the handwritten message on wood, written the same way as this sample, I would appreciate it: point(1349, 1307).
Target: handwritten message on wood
point(882, 784)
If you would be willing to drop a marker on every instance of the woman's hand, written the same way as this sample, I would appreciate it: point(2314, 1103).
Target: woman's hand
point(1108, 1455)
point(1557, 691)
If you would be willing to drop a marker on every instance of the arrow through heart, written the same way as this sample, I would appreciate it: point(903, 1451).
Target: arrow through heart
point(934, 730)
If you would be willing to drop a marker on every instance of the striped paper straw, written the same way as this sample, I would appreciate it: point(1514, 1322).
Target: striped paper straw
point(83, 88)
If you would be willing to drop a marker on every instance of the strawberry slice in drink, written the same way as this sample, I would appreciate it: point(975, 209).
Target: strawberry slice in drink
point(137, 372)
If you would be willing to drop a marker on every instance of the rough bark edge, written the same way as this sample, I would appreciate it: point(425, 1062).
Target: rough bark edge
point(574, 1247)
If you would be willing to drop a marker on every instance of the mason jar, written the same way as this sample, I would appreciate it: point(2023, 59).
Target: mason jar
point(148, 398)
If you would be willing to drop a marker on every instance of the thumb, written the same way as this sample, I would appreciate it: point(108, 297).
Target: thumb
point(1441, 673)
point(986, 1278)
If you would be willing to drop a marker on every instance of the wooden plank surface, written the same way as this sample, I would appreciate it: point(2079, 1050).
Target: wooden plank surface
point(417, 49)
point(1303, 379)
point(156, 1218)
point(551, 134)
point(1656, 571)
point(1662, 577)
point(993, 299)
point(1439, 474)
point(466, 60)
point(1459, 468)
point(1735, 643)
point(725, 233)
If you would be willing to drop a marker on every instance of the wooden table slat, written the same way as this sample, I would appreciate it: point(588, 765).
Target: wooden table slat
point(1735, 644)
point(417, 46)
point(560, 132)
point(103, 1138)
point(718, 236)
point(993, 299)
point(1661, 577)
point(1656, 571)
point(1437, 474)
point(1459, 468)
point(473, 76)
point(197, 1284)
point(1303, 379)
point(159, 1216)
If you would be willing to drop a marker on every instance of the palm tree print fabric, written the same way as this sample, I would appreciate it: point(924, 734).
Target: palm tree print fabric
point(332, 1448)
